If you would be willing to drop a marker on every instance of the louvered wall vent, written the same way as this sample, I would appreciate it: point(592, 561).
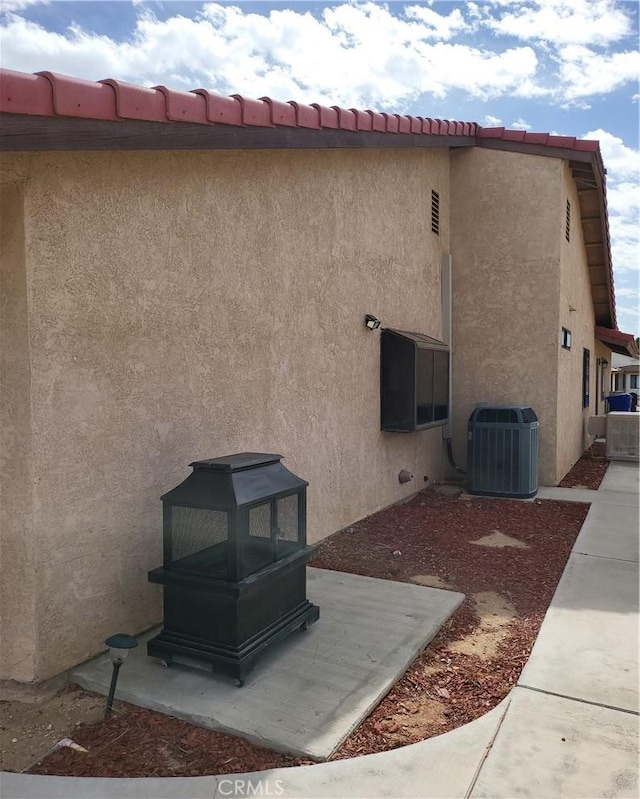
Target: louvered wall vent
point(435, 212)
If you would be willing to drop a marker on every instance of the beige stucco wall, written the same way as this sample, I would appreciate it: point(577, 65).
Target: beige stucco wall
point(577, 315)
point(505, 246)
point(190, 305)
point(17, 580)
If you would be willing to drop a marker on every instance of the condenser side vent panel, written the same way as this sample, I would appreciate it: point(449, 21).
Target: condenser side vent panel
point(623, 433)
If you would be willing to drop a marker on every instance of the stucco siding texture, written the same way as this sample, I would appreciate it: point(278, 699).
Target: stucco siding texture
point(577, 315)
point(192, 305)
point(505, 247)
point(17, 583)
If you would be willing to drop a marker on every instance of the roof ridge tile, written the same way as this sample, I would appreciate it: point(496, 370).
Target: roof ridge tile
point(22, 93)
point(346, 118)
point(184, 106)
point(220, 108)
point(137, 102)
point(282, 113)
point(307, 116)
point(378, 122)
point(404, 123)
point(328, 116)
point(364, 120)
point(254, 112)
point(75, 97)
point(391, 122)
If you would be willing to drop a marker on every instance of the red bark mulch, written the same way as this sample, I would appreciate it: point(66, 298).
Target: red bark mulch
point(467, 669)
point(136, 742)
point(589, 471)
point(446, 688)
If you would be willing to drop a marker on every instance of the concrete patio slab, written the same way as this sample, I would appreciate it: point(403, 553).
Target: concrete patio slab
point(440, 768)
point(609, 532)
point(310, 691)
point(548, 746)
point(587, 647)
point(622, 476)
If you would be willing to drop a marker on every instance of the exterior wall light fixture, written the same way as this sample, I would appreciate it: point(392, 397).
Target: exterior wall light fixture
point(372, 322)
point(119, 646)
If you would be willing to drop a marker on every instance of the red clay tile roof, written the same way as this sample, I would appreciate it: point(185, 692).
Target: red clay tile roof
point(48, 94)
point(546, 139)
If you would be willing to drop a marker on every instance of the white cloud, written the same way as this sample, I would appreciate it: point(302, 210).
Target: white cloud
point(623, 198)
point(13, 6)
point(492, 121)
point(353, 55)
point(628, 292)
point(520, 124)
point(442, 27)
point(559, 22)
point(618, 157)
point(585, 73)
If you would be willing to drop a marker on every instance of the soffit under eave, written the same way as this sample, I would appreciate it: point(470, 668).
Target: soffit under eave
point(619, 349)
point(594, 226)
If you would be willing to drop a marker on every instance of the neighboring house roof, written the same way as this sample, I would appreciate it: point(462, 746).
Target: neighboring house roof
point(47, 111)
point(623, 361)
point(617, 341)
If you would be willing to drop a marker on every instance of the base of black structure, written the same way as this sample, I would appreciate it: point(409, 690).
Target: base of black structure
point(501, 494)
point(225, 626)
point(233, 662)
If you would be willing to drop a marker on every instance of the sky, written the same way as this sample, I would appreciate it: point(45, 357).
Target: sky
point(560, 66)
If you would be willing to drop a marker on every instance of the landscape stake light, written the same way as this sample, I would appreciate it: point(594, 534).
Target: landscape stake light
point(119, 646)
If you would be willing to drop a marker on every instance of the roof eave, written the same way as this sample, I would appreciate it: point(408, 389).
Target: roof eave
point(617, 341)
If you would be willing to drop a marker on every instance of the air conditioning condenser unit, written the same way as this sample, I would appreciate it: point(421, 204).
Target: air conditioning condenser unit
point(623, 436)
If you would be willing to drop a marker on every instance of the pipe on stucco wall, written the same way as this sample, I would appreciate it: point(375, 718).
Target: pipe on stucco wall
point(446, 298)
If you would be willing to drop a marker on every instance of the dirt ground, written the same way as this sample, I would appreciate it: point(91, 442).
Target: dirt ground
point(29, 729)
point(506, 556)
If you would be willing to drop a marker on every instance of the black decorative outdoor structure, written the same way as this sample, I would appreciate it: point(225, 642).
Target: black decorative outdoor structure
point(235, 554)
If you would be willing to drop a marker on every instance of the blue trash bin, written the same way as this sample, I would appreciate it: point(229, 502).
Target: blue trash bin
point(619, 402)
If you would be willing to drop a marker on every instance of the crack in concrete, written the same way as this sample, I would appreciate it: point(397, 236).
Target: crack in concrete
point(578, 699)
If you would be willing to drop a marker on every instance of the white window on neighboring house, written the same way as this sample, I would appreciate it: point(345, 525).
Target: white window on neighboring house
point(635, 381)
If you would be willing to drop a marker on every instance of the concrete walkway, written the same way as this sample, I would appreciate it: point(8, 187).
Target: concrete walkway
point(569, 730)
